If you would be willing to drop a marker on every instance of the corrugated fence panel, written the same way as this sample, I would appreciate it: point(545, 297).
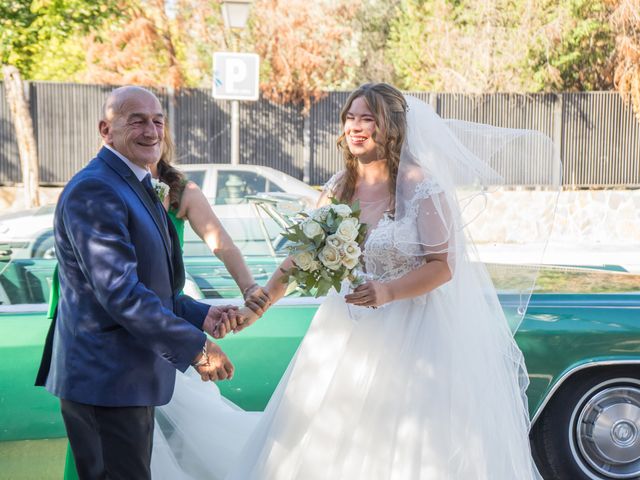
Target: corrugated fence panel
point(272, 135)
point(596, 133)
point(202, 126)
point(526, 159)
point(601, 144)
point(324, 123)
point(9, 159)
point(67, 126)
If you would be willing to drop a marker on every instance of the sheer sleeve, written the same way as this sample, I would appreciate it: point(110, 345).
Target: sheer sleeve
point(330, 189)
point(427, 224)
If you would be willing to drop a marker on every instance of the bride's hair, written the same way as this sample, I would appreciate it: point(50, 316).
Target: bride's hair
point(168, 173)
point(389, 109)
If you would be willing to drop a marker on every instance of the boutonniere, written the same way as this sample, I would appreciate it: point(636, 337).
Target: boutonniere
point(161, 189)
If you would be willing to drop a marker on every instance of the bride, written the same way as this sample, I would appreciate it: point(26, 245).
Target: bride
point(426, 383)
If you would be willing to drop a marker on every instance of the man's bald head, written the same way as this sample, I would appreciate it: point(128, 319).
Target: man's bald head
point(119, 96)
point(133, 124)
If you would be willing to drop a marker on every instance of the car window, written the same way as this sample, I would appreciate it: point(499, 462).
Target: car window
point(272, 187)
point(25, 280)
point(234, 185)
point(196, 176)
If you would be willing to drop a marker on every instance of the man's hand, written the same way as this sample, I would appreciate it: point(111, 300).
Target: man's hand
point(220, 320)
point(217, 366)
point(257, 299)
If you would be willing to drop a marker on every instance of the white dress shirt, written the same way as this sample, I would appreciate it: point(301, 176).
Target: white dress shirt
point(138, 171)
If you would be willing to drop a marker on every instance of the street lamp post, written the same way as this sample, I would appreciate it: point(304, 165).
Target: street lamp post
point(235, 14)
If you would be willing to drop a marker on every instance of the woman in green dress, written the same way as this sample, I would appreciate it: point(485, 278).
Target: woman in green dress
point(185, 202)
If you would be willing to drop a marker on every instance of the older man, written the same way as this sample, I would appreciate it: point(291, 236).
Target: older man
point(122, 327)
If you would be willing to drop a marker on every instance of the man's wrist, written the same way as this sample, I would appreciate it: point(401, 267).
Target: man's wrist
point(202, 358)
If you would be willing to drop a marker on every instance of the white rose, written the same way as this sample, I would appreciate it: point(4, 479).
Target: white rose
point(342, 210)
point(352, 250)
point(320, 214)
point(335, 241)
point(348, 229)
point(304, 260)
point(330, 257)
point(349, 262)
point(312, 229)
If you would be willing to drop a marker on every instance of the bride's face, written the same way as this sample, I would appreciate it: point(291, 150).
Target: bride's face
point(359, 127)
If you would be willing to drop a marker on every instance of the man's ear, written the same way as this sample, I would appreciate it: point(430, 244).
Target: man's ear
point(105, 130)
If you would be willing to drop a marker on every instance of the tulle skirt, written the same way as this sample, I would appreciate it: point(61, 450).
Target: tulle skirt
point(427, 388)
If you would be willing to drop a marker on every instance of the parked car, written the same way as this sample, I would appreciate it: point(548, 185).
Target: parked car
point(230, 184)
point(29, 233)
point(580, 337)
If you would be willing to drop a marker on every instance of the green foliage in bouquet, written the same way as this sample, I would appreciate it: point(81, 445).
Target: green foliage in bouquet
point(325, 248)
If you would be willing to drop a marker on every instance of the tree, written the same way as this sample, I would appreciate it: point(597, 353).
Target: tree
point(304, 48)
point(137, 49)
point(372, 26)
point(626, 22)
point(34, 34)
point(573, 50)
point(464, 45)
point(25, 137)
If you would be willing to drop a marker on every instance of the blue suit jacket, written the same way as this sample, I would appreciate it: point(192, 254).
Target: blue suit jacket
point(122, 326)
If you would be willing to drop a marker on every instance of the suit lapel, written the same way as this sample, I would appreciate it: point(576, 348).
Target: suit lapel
point(127, 175)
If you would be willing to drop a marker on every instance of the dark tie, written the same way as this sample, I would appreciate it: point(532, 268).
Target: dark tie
point(146, 183)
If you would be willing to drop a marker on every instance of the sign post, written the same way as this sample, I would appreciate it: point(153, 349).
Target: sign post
point(235, 78)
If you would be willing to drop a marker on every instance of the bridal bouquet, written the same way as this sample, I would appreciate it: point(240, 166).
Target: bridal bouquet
point(326, 248)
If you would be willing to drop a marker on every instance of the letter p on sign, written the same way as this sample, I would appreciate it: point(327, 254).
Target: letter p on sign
point(236, 76)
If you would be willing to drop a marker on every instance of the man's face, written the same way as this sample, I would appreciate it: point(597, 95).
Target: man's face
point(134, 126)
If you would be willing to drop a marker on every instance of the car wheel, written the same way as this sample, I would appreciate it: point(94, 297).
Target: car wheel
point(590, 430)
point(45, 247)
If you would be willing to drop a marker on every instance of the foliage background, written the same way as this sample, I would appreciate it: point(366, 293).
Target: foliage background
point(306, 48)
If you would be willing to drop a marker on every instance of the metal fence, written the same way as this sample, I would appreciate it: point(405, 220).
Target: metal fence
point(596, 134)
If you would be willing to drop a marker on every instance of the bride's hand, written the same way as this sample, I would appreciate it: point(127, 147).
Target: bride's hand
point(370, 294)
point(257, 298)
point(247, 317)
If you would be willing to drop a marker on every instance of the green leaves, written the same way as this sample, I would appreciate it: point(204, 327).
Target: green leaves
point(43, 35)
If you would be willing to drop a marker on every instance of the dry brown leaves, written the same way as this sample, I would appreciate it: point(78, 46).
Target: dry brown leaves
point(626, 21)
point(302, 45)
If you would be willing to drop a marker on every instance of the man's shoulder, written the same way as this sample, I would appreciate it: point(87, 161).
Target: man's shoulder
point(96, 175)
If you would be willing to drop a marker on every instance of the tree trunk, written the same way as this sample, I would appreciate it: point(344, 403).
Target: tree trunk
point(19, 107)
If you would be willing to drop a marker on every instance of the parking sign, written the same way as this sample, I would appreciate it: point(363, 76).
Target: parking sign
point(236, 76)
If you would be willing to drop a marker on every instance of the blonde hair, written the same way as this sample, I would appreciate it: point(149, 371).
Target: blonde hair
point(389, 109)
point(167, 172)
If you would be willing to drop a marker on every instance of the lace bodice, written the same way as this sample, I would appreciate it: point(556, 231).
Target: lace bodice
point(394, 247)
point(384, 260)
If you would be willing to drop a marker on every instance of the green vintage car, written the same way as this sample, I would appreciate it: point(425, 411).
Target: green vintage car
point(580, 338)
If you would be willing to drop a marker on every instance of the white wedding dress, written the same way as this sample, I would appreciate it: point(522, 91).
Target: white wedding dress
point(423, 388)
point(428, 388)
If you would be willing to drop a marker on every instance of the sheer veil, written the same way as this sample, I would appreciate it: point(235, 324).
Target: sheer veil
point(450, 175)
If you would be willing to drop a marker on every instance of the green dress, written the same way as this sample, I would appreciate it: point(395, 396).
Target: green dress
point(70, 472)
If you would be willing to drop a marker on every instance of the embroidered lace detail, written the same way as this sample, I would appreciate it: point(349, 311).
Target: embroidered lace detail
point(424, 189)
point(383, 261)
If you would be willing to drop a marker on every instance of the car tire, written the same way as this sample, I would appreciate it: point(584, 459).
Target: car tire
point(44, 246)
point(590, 429)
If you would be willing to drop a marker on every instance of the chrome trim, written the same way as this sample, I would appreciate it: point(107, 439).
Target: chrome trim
point(570, 373)
point(24, 308)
